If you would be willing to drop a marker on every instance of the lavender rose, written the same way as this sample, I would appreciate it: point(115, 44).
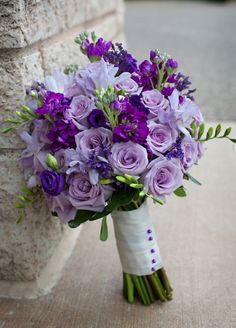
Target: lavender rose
point(161, 137)
point(124, 81)
point(155, 102)
point(163, 176)
point(62, 206)
point(93, 140)
point(81, 106)
point(86, 196)
point(52, 182)
point(128, 158)
point(191, 152)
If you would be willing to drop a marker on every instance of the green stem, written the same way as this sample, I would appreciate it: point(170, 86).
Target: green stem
point(165, 280)
point(130, 288)
point(156, 287)
point(139, 289)
point(145, 292)
point(149, 290)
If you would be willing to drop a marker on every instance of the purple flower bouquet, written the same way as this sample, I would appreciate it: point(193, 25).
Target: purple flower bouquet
point(102, 139)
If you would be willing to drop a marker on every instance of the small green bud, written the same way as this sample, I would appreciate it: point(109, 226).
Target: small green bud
point(52, 162)
point(136, 185)
point(121, 179)
point(130, 178)
point(142, 193)
point(105, 181)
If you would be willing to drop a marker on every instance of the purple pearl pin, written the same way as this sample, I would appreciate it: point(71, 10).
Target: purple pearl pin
point(153, 261)
point(150, 238)
point(149, 231)
point(153, 269)
point(152, 250)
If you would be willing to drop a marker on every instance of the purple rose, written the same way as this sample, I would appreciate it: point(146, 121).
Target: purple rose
point(52, 182)
point(163, 176)
point(124, 81)
point(62, 206)
point(93, 140)
point(161, 137)
point(81, 106)
point(191, 151)
point(155, 102)
point(86, 196)
point(97, 118)
point(128, 158)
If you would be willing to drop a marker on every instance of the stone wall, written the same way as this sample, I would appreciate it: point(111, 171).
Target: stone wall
point(36, 36)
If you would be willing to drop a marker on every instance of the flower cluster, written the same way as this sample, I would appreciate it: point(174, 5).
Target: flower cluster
point(113, 125)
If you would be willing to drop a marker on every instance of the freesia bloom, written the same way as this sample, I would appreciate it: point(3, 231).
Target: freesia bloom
point(57, 82)
point(95, 76)
point(128, 158)
point(161, 137)
point(163, 176)
point(155, 102)
point(84, 195)
point(190, 151)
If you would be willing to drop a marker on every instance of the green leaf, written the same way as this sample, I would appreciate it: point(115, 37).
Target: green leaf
point(193, 179)
point(20, 219)
point(180, 192)
point(209, 133)
point(233, 140)
point(218, 130)
point(81, 217)
point(23, 199)
point(104, 229)
point(158, 200)
point(19, 205)
point(227, 132)
point(201, 130)
point(6, 130)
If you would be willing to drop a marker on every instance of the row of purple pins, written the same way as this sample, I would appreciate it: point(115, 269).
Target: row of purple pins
point(150, 238)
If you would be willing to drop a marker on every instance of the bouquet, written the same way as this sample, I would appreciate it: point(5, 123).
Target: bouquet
point(102, 139)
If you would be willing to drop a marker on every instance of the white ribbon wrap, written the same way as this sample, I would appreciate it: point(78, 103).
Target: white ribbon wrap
point(136, 241)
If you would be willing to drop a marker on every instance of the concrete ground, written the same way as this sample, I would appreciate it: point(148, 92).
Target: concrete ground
point(201, 36)
point(197, 235)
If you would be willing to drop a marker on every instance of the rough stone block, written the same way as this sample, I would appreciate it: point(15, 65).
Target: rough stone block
point(24, 248)
point(24, 22)
point(16, 73)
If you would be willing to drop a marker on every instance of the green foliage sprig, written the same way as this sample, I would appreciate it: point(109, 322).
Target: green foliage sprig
point(26, 198)
point(212, 133)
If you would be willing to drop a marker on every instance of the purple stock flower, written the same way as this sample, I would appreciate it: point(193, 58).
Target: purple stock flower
point(135, 100)
point(167, 91)
point(171, 63)
point(148, 75)
point(132, 125)
point(54, 105)
point(52, 182)
point(121, 59)
point(97, 119)
point(95, 51)
point(62, 135)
